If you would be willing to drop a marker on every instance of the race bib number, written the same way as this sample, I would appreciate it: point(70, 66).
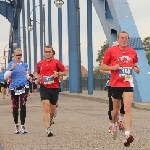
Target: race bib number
point(48, 79)
point(19, 92)
point(125, 72)
point(3, 82)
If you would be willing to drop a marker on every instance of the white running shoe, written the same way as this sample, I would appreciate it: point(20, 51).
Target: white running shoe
point(23, 130)
point(16, 129)
point(49, 132)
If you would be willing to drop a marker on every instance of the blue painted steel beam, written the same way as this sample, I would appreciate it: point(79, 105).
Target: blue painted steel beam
point(29, 37)
point(60, 37)
point(73, 47)
point(24, 32)
point(18, 41)
point(60, 32)
point(115, 16)
point(49, 23)
point(90, 47)
point(34, 35)
point(41, 27)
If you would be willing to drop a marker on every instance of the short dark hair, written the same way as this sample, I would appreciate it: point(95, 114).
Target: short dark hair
point(48, 46)
point(122, 32)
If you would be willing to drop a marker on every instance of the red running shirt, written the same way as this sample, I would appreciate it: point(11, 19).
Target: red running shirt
point(46, 69)
point(125, 58)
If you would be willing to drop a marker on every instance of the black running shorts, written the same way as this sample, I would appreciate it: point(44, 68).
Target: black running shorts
point(117, 92)
point(50, 94)
point(4, 84)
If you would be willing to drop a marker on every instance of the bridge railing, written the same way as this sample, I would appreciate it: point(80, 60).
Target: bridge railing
point(99, 83)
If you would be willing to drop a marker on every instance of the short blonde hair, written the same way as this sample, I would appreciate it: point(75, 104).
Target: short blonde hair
point(17, 49)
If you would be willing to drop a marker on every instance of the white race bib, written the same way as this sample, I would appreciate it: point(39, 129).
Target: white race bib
point(125, 72)
point(19, 92)
point(48, 79)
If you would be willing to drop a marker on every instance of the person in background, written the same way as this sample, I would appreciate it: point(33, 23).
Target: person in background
point(30, 81)
point(3, 82)
point(33, 83)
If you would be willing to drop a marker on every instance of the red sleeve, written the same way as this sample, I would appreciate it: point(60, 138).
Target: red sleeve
point(38, 68)
point(60, 66)
point(107, 57)
point(135, 59)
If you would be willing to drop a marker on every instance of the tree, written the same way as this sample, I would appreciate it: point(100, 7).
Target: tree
point(101, 52)
point(146, 45)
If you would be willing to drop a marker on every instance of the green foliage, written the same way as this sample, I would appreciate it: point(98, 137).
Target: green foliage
point(96, 71)
point(101, 52)
point(146, 45)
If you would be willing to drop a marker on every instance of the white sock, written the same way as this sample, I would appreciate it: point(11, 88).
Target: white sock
point(120, 118)
point(110, 124)
point(114, 124)
point(127, 133)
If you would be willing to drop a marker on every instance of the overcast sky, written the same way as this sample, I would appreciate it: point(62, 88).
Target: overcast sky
point(140, 12)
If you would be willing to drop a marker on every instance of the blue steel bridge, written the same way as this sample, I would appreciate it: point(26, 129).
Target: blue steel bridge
point(114, 16)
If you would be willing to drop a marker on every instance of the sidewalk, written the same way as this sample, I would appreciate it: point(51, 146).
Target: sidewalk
point(101, 95)
point(80, 124)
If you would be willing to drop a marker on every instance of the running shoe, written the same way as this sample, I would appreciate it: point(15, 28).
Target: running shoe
point(128, 139)
point(49, 132)
point(121, 126)
point(23, 130)
point(16, 129)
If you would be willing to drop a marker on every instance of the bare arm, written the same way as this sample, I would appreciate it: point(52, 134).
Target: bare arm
point(37, 76)
point(7, 74)
point(105, 67)
point(105, 72)
point(136, 68)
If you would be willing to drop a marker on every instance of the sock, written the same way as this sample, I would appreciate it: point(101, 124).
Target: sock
point(127, 133)
point(120, 118)
point(110, 124)
point(114, 124)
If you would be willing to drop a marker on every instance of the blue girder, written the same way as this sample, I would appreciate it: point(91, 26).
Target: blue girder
point(115, 16)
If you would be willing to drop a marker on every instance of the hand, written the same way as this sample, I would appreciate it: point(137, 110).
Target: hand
point(30, 79)
point(56, 74)
point(37, 81)
point(136, 69)
point(13, 66)
point(116, 67)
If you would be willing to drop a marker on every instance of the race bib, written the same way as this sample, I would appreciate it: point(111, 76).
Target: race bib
point(3, 82)
point(48, 79)
point(125, 72)
point(19, 92)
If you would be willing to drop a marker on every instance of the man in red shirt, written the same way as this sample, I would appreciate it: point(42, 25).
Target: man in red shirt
point(121, 60)
point(48, 75)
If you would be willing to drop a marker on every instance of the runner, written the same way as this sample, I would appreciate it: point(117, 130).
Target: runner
point(48, 76)
point(122, 112)
point(121, 60)
point(19, 86)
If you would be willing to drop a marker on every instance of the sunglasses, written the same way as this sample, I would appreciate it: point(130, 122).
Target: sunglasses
point(19, 55)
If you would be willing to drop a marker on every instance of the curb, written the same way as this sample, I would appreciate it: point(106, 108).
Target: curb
point(85, 97)
point(144, 106)
point(136, 105)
